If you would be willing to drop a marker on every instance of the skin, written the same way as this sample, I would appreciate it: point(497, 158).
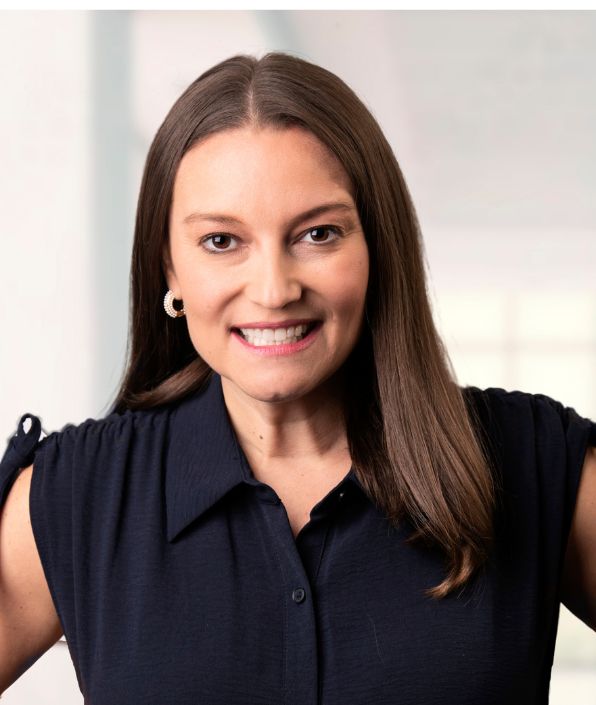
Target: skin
point(578, 585)
point(284, 406)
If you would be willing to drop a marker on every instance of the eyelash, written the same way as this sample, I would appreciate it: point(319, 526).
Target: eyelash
point(331, 228)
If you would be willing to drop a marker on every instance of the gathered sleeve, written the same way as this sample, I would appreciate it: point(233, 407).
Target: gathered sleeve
point(561, 441)
point(20, 452)
point(540, 446)
point(50, 508)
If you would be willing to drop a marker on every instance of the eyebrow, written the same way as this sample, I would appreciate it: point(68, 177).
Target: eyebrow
point(310, 213)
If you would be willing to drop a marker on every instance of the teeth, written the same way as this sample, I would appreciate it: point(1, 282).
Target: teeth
point(274, 336)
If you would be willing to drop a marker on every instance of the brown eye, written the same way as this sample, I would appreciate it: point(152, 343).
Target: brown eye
point(219, 241)
point(320, 231)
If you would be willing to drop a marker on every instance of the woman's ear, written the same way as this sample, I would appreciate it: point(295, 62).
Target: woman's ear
point(168, 270)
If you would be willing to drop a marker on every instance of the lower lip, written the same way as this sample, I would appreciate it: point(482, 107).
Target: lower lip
point(282, 348)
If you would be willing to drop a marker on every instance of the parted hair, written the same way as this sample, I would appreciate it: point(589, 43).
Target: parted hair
point(415, 442)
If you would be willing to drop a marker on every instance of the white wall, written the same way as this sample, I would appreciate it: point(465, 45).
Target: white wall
point(47, 346)
point(47, 322)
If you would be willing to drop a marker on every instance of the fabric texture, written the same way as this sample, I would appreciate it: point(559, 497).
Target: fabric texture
point(177, 578)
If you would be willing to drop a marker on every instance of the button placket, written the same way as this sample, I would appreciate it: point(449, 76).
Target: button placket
point(301, 648)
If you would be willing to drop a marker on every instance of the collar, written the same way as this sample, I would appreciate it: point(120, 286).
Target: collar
point(204, 459)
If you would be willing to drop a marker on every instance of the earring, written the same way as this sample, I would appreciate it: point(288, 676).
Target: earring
point(168, 304)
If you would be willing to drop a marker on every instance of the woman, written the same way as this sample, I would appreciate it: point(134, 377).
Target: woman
point(292, 501)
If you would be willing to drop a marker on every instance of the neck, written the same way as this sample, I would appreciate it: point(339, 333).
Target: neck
point(308, 427)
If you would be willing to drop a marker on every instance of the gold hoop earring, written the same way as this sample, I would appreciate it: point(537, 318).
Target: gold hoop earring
point(168, 304)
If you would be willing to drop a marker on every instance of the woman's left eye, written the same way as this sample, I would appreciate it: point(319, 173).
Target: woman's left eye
point(323, 229)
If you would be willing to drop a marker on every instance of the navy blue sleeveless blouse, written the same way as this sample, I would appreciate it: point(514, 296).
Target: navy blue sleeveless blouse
point(177, 578)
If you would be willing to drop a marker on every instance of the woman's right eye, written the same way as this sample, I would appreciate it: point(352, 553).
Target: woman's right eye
point(217, 239)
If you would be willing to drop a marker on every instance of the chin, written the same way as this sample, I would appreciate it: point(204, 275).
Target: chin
point(272, 388)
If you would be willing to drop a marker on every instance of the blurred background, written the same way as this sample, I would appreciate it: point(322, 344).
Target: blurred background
point(492, 117)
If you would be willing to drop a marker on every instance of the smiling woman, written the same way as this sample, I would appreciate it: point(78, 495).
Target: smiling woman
point(292, 500)
point(279, 265)
point(239, 174)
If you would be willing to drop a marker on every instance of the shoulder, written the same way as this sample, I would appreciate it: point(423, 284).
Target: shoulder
point(536, 435)
point(532, 430)
point(76, 446)
point(112, 427)
point(515, 408)
point(81, 472)
point(105, 440)
point(498, 396)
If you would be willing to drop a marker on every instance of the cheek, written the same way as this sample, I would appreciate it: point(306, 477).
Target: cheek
point(204, 307)
point(203, 296)
point(347, 289)
point(204, 304)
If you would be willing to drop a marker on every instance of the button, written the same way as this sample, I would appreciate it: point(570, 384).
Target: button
point(341, 494)
point(298, 595)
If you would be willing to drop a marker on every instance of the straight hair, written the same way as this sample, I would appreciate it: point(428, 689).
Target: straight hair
point(416, 443)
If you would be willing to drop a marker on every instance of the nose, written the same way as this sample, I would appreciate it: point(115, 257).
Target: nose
point(274, 279)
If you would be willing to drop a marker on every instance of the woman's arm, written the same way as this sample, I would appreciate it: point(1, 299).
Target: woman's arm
point(29, 624)
point(579, 571)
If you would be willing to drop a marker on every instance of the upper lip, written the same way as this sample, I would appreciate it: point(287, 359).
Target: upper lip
point(277, 324)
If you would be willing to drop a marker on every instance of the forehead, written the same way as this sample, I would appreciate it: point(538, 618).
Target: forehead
point(263, 164)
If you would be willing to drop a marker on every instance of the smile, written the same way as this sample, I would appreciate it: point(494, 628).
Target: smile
point(276, 336)
point(278, 340)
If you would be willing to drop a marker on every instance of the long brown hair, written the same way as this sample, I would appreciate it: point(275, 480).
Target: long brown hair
point(414, 441)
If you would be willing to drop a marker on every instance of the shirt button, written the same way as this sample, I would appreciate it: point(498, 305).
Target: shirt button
point(341, 494)
point(298, 595)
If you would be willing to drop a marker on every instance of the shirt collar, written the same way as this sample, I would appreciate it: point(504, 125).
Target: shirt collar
point(204, 459)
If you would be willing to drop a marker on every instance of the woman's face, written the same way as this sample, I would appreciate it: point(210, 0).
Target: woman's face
point(245, 253)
